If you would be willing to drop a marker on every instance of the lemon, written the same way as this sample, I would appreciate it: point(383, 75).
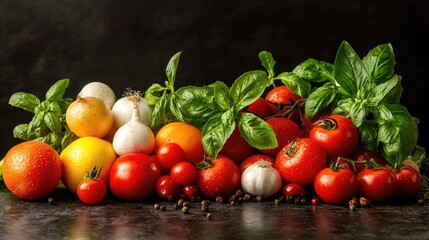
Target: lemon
point(81, 156)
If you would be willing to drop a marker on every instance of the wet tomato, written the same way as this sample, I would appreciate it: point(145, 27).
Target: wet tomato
point(336, 186)
point(262, 108)
point(377, 184)
point(91, 191)
point(183, 173)
point(165, 187)
point(408, 183)
point(293, 189)
point(170, 153)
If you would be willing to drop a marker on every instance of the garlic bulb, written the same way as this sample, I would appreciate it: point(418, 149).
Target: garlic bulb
point(261, 179)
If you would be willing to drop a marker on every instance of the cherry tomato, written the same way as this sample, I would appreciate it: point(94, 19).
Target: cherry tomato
point(377, 184)
point(236, 147)
point(283, 96)
point(165, 187)
point(408, 183)
point(221, 178)
point(337, 135)
point(91, 191)
point(190, 191)
point(183, 173)
point(293, 189)
point(133, 176)
point(286, 130)
point(336, 186)
point(169, 154)
point(363, 155)
point(262, 108)
point(300, 161)
point(254, 158)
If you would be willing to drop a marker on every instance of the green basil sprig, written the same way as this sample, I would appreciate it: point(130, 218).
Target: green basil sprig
point(48, 123)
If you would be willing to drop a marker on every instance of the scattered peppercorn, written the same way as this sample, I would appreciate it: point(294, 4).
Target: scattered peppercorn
point(180, 202)
point(219, 199)
point(157, 206)
point(364, 202)
point(209, 216)
point(259, 198)
point(239, 193)
point(162, 207)
point(204, 208)
point(51, 200)
point(175, 206)
point(205, 203)
point(170, 198)
point(277, 201)
point(247, 197)
point(185, 210)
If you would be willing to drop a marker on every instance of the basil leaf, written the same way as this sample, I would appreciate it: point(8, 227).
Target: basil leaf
point(380, 62)
point(68, 137)
point(216, 131)
point(26, 101)
point(160, 111)
point(295, 83)
point(324, 97)
point(267, 62)
point(172, 68)
point(56, 91)
point(247, 88)
point(20, 132)
point(192, 105)
point(378, 93)
point(419, 155)
point(350, 72)
point(343, 107)
point(257, 132)
point(358, 112)
point(368, 135)
point(315, 71)
point(154, 93)
point(53, 122)
point(222, 95)
point(398, 134)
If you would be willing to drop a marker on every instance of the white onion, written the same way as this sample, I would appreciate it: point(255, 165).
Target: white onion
point(261, 179)
point(99, 90)
point(123, 109)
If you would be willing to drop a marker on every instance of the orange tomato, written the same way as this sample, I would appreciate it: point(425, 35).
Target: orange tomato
point(186, 136)
point(32, 170)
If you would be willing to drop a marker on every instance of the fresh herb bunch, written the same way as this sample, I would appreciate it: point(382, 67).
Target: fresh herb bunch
point(49, 122)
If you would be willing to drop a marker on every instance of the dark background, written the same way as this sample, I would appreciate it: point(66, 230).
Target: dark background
point(128, 43)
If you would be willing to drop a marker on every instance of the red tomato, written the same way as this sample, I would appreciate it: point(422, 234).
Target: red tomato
point(286, 130)
point(190, 191)
point(169, 154)
point(91, 191)
point(165, 187)
point(362, 155)
point(183, 173)
point(337, 135)
point(133, 176)
point(300, 161)
point(293, 189)
point(309, 125)
point(408, 183)
point(336, 186)
point(236, 147)
point(282, 95)
point(254, 158)
point(262, 108)
point(377, 184)
point(221, 178)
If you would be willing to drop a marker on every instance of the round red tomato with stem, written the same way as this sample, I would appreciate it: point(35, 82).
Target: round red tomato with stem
point(262, 108)
point(408, 183)
point(166, 187)
point(92, 190)
point(337, 135)
point(362, 156)
point(183, 173)
point(286, 130)
point(236, 147)
point(133, 176)
point(220, 177)
point(254, 158)
point(189, 192)
point(170, 153)
point(300, 161)
point(336, 185)
point(377, 184)
point(285, 99)
point(294, 189)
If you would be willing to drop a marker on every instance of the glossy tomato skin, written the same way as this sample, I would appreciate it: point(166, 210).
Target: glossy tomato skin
point(91, 191)
point(362, 155)
point(189, 192)
point(236, 147)
point(294, 189)
point(222, 178)
point(336, 186)
point(133, 176)
point(262, 108)
point(282, 96)
point(337, 135)
point(254, 158)
point(408, 183)
point(286, 130)
point(377, 184)
point(165, 187)
point(169, 154)
point(300, 161)
point(183, 173)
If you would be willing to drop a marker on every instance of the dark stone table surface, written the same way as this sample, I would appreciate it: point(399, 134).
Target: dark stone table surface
point(68, 218)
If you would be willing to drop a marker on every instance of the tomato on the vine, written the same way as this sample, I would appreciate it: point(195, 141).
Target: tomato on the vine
point(92, 189)
point(377, 184)
point(336, 186)
point(221, 178)
point(408, 183)
point(300, 161)
point(166, 187)
point(362, 155)
point(337, 135)
point(286, 130)
point(262, 108)
point(283, 96)
point(133, 176)
point(183, 173)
